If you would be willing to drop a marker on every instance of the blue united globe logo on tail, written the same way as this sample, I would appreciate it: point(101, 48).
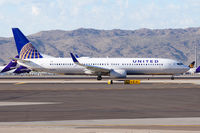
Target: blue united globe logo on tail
point(29, 52)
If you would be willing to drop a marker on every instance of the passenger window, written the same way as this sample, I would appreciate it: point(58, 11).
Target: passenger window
point(179, 63)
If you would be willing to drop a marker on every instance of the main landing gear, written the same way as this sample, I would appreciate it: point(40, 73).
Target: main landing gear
point(172, 77)
point(99, 76)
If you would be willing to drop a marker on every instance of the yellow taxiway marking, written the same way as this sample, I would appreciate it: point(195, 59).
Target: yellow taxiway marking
point(19, 83)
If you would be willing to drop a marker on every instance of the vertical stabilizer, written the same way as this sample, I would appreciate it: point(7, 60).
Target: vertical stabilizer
point(198, 70)
point(24, 47)
point(192, 64)
point(22, 69)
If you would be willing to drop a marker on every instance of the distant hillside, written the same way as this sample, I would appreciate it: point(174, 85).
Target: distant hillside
point(167, 43)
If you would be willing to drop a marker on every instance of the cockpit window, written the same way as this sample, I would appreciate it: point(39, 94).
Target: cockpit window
point(179, 63)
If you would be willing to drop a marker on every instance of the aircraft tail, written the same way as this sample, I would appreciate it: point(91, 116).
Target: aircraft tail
point(24, 47)
point(198, 70)
point(191, 64)
point(22, 69)
point(10, 65)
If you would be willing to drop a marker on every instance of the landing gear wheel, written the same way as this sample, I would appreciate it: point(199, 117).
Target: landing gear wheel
point(99, 78)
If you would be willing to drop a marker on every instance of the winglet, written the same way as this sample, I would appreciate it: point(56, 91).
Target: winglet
point(74, 58)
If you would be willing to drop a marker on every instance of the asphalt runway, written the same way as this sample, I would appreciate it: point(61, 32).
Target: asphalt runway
point(98, 101)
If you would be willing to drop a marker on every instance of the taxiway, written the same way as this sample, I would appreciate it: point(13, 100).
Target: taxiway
point(155, 104)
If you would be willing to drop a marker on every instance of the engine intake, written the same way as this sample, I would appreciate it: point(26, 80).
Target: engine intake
point(118, 73)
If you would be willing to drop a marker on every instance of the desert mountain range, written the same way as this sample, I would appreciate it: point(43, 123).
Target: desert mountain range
point(176, 44)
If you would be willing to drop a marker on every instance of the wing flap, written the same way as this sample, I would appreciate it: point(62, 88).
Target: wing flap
point(97, 69)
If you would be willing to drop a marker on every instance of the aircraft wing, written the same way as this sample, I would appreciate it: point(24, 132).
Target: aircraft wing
point(90, 67)
point(28, 64)
point(97, 69)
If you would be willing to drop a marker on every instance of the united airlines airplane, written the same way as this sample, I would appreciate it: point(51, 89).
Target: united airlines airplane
point(114, 67)
point(12, 68)
point(193, 69)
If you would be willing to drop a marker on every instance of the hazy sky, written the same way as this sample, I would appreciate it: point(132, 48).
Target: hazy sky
point(32, 16)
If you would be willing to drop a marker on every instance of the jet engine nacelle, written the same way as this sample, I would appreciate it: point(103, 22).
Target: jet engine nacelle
point(118, 73)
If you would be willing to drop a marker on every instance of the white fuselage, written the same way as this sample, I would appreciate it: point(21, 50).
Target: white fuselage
point(132, 66)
